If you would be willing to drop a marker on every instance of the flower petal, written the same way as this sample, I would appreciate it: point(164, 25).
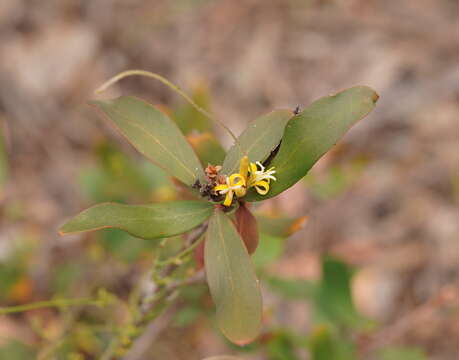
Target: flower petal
point(236, 180)
point(221, 187)
point(262, 187)
point(228, 198)
point(240, 192)
point(244, 167)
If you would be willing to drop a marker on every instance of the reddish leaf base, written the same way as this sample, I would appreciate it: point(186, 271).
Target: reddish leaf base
point(246, 225)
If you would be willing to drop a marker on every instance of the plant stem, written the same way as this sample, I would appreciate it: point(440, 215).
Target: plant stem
point(177, 258)
point(50, 303)
point(146, 309)
point(171, 85)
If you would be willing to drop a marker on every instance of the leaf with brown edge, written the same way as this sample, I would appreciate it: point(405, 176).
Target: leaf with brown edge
point(232, 281)
point(143, 221)
point(246, 225)
point(155, 135)
point(311, 133)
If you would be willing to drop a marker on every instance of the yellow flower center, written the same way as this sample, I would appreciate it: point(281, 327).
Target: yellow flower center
point(250, 175)
point(235, 184)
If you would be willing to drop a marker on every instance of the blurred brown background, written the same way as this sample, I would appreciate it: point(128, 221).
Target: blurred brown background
point(396, 218)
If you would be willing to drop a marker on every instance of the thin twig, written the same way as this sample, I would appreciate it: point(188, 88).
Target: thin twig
point(50, 303)
point(149, 306)
point(171, 85)
point(152, 330)
point(177, 258)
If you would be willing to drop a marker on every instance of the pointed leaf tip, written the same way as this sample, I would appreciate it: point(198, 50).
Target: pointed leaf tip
point(311, 133)
point(143, 221)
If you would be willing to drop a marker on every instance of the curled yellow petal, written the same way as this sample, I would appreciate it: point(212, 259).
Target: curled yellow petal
point(236, 180)
point(238, 184)
point(221, 187)
point(262, 187)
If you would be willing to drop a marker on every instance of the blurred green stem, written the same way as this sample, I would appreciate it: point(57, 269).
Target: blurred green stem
point(51, 303)
point(144, 310)
point(177, 259)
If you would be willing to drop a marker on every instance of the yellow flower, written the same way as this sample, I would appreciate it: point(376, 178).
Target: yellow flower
point(260, 178)
point(250, 175)
point(235, 184)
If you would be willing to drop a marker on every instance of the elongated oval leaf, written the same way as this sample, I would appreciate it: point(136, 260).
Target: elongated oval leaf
point(313, 132)
point(155, 135)
point(232, 281)
point(143, 221)
point(258, 140)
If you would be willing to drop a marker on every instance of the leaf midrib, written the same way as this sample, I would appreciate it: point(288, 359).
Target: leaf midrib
point(166, 217)
point(249, 148)
point(165, 149)
point(297, 148)
point(225, 253)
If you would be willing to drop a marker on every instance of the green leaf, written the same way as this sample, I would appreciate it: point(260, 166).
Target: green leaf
point(295, 289)
point(269, 250)
point(207, 147)
point(257, 140)
point(282, 346)
point(65, 276)
point(281, 226)
point(325, 345)
point(232, 281)
point(15, 350)
point(143, 221)
point(402, 353)
point(155, 135)
point(321, 344)
point(310, 134)
point(334, 301)
point(223, 357)
point(124, 247)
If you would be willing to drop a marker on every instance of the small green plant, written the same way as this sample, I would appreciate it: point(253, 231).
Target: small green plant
point(213, 220)
point(289, 144)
